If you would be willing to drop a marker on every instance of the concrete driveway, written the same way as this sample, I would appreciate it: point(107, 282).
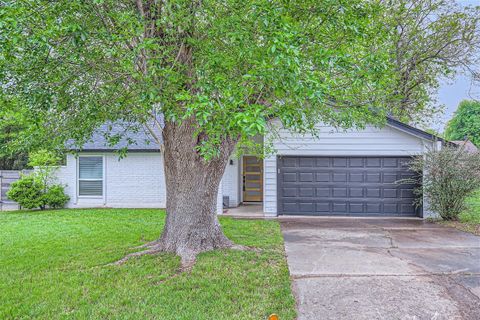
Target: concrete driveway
point(345, 268)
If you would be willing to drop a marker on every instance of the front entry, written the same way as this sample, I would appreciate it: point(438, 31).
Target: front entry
point(252, 179)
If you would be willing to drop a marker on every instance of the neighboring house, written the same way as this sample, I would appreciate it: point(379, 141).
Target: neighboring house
point(351, 172)
point(466, 145)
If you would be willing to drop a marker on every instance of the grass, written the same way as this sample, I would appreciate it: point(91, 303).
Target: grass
point(469, 220)
point(53, 265)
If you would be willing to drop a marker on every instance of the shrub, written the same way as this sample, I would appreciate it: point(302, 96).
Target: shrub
point(55, 197)
point(26, 192)
point(39, 190)
point(450, 176)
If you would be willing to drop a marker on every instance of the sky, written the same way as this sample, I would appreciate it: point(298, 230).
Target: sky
point(452, 92)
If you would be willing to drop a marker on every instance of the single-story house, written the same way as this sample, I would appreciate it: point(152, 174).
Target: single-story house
point(343, 172)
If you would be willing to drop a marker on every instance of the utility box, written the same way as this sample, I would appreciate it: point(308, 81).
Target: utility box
point(226, 202)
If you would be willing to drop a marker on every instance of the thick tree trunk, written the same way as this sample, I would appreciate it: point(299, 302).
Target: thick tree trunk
point(192, 186)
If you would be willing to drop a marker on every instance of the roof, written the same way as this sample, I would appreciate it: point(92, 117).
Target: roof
point(467, 145)
point(134, 138)
point(138, 139)
point(412, 130)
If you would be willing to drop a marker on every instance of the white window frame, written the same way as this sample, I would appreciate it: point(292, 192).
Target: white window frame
point(103, 176)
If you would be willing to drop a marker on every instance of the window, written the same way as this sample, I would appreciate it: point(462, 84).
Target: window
point(90, 176)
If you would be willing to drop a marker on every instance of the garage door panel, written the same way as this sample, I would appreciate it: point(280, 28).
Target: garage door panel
point(356, 163)
point(407, 209)
point(340, 207)
point(345, 186)
point(356, 177)
point(373, 178)
point(373, 192)
point(307, 207)
point(391, 208)
point(323, 207)
point(407, 193)
point(390, 163)
point(323, 162)
point(390, 193)
point(289, 192)
point(289, 162)
point(339, 162)
point(356, 192)
point(306, 176)
point(339, 192)
point(373, 207)
point(289, 177)
point(323, 177)
point(307, 162)
point(340, 177)
point(373, 162)
point(406, 175)
point(306, 192)
point(357, 208)
point(290, 207)
point(323, 192)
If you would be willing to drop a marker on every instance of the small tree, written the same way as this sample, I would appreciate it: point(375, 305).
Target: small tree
point(450, 176)
point(39, 189)
point(46, 165)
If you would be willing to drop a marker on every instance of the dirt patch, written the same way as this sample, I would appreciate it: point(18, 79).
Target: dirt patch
point(463, 226)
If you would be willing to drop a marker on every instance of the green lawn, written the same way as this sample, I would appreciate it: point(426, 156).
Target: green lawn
point(469, 220)
point(472, 215)
point(53, 265)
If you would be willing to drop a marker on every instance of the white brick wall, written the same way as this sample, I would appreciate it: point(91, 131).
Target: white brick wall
point(136, 181)
point(230, 182)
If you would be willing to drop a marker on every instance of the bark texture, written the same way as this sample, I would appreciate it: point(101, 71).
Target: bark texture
point(192, 186)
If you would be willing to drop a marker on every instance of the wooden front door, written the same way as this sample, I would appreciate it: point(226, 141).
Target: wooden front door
point(252, 179)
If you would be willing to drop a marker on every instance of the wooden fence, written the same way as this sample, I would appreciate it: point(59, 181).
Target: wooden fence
point(6, 178)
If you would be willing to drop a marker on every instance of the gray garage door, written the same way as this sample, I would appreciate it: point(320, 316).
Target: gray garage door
point(361, 186)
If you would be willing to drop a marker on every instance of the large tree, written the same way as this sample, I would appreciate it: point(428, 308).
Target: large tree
point(214, 71)
point(433, 40)
point(465, 123)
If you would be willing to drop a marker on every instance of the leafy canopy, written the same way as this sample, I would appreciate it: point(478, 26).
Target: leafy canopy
point(230, 65)
point(433, 40)
point(465, 122)
point(12, 156)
